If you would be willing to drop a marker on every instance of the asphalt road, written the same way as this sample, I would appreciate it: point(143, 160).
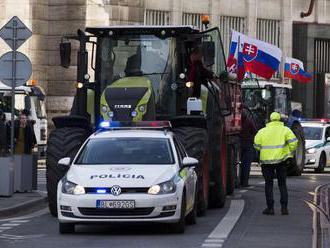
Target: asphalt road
point(251, 229)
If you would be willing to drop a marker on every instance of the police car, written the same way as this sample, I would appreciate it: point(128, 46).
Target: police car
point(130, 174)
point(317, 143)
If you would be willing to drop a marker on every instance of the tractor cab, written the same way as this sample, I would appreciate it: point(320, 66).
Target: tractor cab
point(141, 72)
point(262, 98)
point(265, 97)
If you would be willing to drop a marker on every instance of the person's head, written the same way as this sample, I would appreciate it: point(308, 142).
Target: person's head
point(22, 119)
point(275, 116)
point(196, 54)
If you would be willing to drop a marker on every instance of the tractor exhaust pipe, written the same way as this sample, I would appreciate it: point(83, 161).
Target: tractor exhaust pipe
point(310, 10)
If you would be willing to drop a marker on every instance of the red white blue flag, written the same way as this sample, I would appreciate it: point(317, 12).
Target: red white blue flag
point(259, 57)
point(294, 69)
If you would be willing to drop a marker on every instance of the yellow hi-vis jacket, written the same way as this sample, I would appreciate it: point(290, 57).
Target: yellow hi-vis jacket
point(275, 142)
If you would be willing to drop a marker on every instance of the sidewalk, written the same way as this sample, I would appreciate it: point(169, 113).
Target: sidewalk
point(295, 230)
point(21, 202)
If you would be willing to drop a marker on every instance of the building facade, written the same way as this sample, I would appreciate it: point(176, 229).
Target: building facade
point(276, 21)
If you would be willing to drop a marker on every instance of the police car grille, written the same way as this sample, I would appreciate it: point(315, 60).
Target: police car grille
point(123, 190)
point(115, 212)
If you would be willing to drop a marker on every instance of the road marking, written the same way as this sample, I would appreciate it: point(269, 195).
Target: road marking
point(212, 245)
point(261, 182)
point(11, 224)
point(214, 241)
point(20, 221)
point(221, 232)
point(243, 191)
point(29, 216)
point(5, 228)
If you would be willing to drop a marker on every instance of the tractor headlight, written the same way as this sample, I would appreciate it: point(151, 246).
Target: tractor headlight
point(134, 113)
point(110, 114)
point(104, 109)
point(163, 188)
point(72, 188)
point(311, 151)
point(142, 108)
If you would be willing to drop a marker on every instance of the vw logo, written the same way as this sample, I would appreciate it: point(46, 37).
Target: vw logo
point(116, 190)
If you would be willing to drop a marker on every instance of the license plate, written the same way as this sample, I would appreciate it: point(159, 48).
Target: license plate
point(115, 204)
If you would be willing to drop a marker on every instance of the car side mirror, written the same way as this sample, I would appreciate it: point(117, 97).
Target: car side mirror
point(64, 161)
point(65, 52)
point(189, 162)
point(328, 139)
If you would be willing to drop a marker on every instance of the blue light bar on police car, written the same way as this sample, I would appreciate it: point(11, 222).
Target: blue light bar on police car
point(137, 124)
point(322, 120)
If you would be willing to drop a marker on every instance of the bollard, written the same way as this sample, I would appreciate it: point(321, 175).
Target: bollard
point(6, 176)
point(23, 173)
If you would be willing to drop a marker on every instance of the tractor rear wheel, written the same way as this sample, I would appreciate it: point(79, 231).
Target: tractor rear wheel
point(218, 190)
point(231, 169)
point(62, 142)
point(298, 162)
point(195, 141)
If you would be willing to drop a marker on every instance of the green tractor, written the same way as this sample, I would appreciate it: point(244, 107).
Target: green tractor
point(264, 97)
point(140, 73)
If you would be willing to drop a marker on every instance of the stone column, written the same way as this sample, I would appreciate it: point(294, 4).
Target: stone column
point(177, 12)
point(214, 11)
point(251, 18)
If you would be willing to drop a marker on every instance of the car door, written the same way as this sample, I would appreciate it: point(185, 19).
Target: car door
point(190, 172)
point(327, 145)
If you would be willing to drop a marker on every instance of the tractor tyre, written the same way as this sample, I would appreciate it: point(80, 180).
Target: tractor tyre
point(62, 142)
point(218, 192)
point(231, 169)
point(196, 144)
point(297, 164)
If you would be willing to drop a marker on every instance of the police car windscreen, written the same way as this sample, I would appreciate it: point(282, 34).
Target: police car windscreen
point(133, 150)
point(313, 133)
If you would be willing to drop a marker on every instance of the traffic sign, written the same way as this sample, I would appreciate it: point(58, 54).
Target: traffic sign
point(15, 28)
point(23, 69)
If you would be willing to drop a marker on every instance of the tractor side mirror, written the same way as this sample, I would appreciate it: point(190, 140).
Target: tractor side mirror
point(27, 103)
point(208, 48)
point(65, 52)
point(328, 139)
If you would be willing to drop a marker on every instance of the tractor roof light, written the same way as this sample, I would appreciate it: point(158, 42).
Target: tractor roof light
point(205, 20)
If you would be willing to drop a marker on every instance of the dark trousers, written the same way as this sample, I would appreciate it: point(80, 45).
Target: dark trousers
point(268, 172)
point(248, 153)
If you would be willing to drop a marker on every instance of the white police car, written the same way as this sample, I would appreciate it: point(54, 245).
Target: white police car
point(129, 175)
point(317, 143)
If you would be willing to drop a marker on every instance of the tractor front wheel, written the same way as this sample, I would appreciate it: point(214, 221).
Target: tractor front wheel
point(62, 142)
point(298, 162)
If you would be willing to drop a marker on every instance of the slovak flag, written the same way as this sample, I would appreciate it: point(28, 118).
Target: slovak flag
point(294, 68)
point(259, 57)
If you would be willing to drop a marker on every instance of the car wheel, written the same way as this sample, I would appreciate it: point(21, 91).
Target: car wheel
point(191, 218)
point(179, 227)
point(322, 163)
point(65, 228)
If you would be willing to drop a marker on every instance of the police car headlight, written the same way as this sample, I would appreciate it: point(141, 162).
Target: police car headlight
point(162, 188)
point(311, 151)
point(72, 188)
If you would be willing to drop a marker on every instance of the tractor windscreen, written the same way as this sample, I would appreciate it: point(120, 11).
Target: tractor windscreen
point(138, 58)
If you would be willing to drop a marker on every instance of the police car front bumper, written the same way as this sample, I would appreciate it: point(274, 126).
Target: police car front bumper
point(148, 208)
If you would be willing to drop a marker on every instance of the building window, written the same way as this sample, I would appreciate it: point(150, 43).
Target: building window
point(157, 17)
point(192, 19)
point(228, 23)
point(269, 31)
